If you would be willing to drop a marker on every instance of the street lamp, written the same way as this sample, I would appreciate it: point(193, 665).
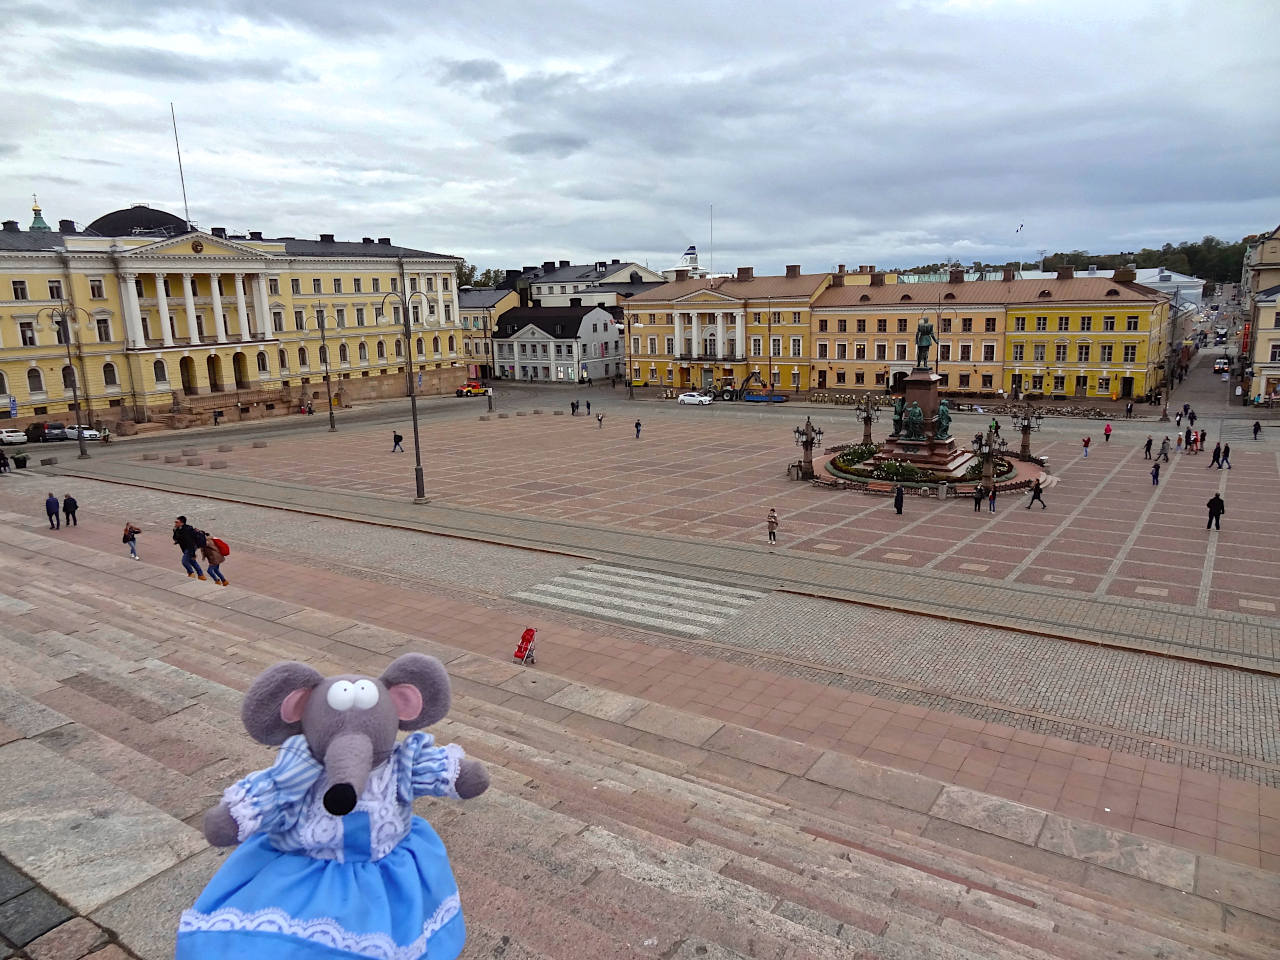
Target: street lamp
point(324, 352)
point(631, 394)
point(869, 412)
point(419, 485)
point(806, 438)
point(1026, 420)
point(986, 446)
point(64, 315)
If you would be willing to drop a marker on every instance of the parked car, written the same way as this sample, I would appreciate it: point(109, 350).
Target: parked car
point(46, 432)
point(10, 435)
point(698, 399)
point(89, 432)
point(472, 388)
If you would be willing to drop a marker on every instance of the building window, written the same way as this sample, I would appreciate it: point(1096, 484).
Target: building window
point(1086, 324)
point(1037, 353)
point(159, 372)
point(882, 325)
point(859, 351)
point(399, 348)
point(302, 358)
point(1064, 324)
point(1105, 352)
point(988, 353)
point(822, 350)
point(1104, 384)
point(944, 353)
point(382, 350)
point(944, 324)
point(795, 316)
point(822, 325)
point(19, 289)
point(966, 352)
point(775, 346)
point(1060, 352)
point(55, 289)
point(859, 378)
point(1082, 353)
point(63, 335)
point(882, 351)
point(68, 377)
point(95, 289)
point(316, 285)
point(262, 362)
point(109, 375)
point(273, 286)
point(861, 325)
point(902, 324)
point(453, 345)
point(964, 381)
point(277, 320)
point(35, 383)
point(796, 347)
point(989, 325)
point(337, 285)
point(363, 353)
point(842, 351)
point(1020, 324)
point(299, 320)
point(1131, 323)
point(842, 325)
point(1108, 324)
point(670, 344)
point(757, 347)
point(377, 284)
point(1059, 384)
point(653, 345)
point(966, 324)
point(899, 351)
point(444, 284)
point(340, 317)
point(413, 284)
point(1275, 353)
point(435, 346)
point(104, 329)
point(1018, 350)
point(839, 377)
point(1130, 353)
point(295, 286)
point(1042, 324)
point(987, 381)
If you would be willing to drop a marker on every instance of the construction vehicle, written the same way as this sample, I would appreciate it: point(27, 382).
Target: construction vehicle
point(727, 391)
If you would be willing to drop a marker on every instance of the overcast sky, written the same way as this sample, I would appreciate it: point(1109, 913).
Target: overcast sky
point(510, 133)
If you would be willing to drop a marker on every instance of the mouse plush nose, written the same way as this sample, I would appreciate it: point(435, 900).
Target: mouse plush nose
point(340, 799)
point(347, 763)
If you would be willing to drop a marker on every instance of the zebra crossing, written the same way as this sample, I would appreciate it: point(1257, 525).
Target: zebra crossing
point(641, 598)
point(1233, 430)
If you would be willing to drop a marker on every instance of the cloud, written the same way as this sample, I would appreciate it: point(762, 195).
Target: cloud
point(558, 145)
point(161, 64)
point(467, 72)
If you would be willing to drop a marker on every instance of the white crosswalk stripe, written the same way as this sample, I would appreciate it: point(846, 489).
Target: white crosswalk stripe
point(642, 598)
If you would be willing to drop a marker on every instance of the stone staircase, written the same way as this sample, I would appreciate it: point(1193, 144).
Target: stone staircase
point(614, 827)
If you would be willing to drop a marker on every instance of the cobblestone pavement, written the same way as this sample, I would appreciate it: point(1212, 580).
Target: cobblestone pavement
point(1181, 713)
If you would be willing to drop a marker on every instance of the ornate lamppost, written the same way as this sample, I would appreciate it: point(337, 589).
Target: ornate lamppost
point(869, 412)
point(420, 486)
point(1026, 420)
point(64, 317)
point(806, 438)
point(324, 352)
point(986, 446)
point(631, 394)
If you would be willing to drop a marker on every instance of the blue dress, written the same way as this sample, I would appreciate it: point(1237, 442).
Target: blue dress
point(304, 884)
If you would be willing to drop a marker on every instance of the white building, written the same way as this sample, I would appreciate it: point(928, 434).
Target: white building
point(558, 344)
point(599, 284)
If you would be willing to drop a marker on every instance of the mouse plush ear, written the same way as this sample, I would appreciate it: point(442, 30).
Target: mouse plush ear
point(419, 687)
point(272, 711)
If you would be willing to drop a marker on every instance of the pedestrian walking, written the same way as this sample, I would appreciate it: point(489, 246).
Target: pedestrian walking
point(131, 539)
point(69, 508)
point(588, 408)
point(771, 521)
point(1037, 493)
point(637, 429)
point(1226, 457)
point(1106, 433)
point(1189, 441)
point(51, 508)
point(4, 461)
point(214, 558)
point(188, 540)
point(1217, 457)
point(1257, 429)
point(1128, 410)
point(311, 408)
point(1164, 450)
point(1200, 439)
point(1217, 507)
point(1146, 448)
point(1085, 443)
point(600, 420)
point(979, 494)
point(991, 498)
point(396, 441)
point(1155, 474)
point(1186, 409)
point(1178, 442)
point(1191, 418)
point(898, 494)
point(995, 426)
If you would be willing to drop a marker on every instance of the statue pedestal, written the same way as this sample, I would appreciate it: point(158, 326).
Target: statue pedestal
point(939, 455)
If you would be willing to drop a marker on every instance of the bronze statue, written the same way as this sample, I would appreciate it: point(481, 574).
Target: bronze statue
point(898, 405)
point(924, 340)
point(944, 420)
point(915, 422)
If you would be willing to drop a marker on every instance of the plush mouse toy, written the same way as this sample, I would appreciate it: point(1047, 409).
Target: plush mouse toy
point(332, 862)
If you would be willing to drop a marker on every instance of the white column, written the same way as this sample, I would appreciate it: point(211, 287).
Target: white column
point(740, 334)
point(189, 300)
point(132, 315)
point(720, 335)
point(219, 322)
point(261, 306)
point(439, 301)
point(166, 322)
point(678, 321)
point(697, 338)
point(241, 310)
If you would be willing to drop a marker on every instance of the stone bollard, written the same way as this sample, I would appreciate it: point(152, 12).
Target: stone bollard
point(521, 413)
point(537, 413)
point(194, 461)
point(48, 461)
point(218, 465)
point(503, 416)
point(225, 448)
point(484, 417)
point(557, 413)
point(259, 444)
point(190, 451)
point(151, 456)
point(172, 458)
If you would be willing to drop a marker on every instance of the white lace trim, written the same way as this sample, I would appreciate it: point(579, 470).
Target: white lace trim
point(454, 755)
point(243, 811)
point(322, 930)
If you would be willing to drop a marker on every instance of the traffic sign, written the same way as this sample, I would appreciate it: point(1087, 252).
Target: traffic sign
point(13, 405)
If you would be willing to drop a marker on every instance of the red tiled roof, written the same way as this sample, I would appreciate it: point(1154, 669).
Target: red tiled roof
point(977, 292)
point(758, 288)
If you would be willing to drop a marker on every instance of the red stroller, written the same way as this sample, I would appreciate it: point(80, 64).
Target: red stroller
point(524, 651)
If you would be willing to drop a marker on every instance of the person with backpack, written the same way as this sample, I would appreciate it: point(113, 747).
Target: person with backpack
point(396, 441)
point(69, 508)
point(131, 538)
point(213, 558)
point(189, 540)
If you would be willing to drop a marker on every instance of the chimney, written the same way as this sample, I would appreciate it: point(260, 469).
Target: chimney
point(513, 276)
point(837, 279)
point(326, 238)
point(840, 268)
point(257, 235)
point(1127, 274)
point(66, 226)
point(11, 226)
point(575, 301)
point(615, 260)
point(682, 275)
point(366, 239)
point(600, 265)
point(385, 241)
point(877, 279)
point(793, 271)
point(548, 266)
point(1093, 269)
point(957, 275)
point(1067, 271)
point(1008, 273)
point(563, 264)
point(746, 273)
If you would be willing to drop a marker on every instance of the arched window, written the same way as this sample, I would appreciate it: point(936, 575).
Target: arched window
point(324, 354)
point(420, 347)
point(284, 360)
point(4, 384)
point(435, 344)
point(344, 355)
point(382, 350)
point(262, 362)
point(109, 375)
point(399, 349)
point(68, 377)
point(35, 382)
point(452, 346)
point(302, 358)
point(161, 374)
point(364, 353)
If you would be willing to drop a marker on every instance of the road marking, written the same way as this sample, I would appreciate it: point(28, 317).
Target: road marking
point(1055, 578)
point(896, 556)
point(1258, 605)
point(1152, 591)
point(671, 604)
point(976, 567)
point(826, 546)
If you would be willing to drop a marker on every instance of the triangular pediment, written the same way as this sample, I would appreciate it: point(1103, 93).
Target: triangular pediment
point(196, 244)
point(707, 296)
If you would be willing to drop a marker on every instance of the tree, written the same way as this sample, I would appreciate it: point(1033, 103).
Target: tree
point(466, 274)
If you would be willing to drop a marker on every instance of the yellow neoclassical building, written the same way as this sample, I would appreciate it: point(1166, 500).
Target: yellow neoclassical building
point(147, 316)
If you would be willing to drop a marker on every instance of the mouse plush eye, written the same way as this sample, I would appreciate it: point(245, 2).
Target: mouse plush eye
point(342, 695)
point(366, 694)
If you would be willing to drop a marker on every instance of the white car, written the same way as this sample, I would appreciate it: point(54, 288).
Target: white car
point(696, 398)
point(9, 435)
point(89, 433)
